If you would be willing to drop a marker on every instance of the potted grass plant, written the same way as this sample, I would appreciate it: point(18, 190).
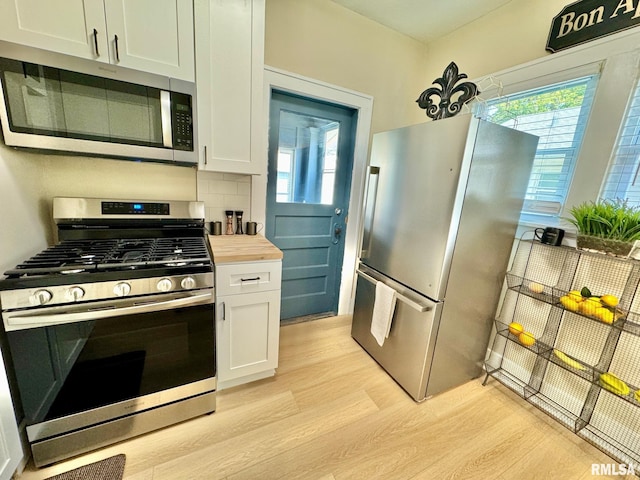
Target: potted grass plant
point(609, 226)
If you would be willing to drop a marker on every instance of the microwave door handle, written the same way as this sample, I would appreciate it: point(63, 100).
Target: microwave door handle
point(165, 112)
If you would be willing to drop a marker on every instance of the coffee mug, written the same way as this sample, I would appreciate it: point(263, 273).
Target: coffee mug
point(549, 235)
point(253, 228)
point(216, 228)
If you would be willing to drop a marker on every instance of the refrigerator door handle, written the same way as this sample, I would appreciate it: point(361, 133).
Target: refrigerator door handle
point(369, 210)
point(421, 307)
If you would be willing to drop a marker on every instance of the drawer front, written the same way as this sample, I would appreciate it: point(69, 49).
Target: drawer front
point(232, 279)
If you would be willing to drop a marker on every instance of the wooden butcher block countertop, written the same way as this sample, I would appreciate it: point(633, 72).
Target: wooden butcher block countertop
point(242, 248)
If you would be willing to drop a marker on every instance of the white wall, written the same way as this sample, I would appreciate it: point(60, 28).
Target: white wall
point(324, 41)
point(511, 35)
point(23, 224)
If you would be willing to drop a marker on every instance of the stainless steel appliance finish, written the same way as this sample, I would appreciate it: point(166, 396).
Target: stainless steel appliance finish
point(122, 428)
point(47, 316)
point(414, 331)
point(56, 102)
point(111, 331)
point(66, 209)
point(442, 206)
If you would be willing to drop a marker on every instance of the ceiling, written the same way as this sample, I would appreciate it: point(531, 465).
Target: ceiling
point(423, 20)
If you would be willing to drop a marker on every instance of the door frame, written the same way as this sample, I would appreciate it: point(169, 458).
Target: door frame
point(293, 83)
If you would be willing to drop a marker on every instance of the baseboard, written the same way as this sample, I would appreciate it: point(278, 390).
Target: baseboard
point(234, 382)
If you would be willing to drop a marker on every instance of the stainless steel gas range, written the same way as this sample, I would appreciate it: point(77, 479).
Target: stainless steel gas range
point(111, 331)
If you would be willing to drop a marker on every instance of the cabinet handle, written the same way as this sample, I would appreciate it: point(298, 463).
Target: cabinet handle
point(95, 41)
point(224, 313)
point(205, 154)
point(115, 38)
point(250, 279)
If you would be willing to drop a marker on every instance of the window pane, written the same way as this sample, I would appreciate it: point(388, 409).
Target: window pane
point(557, 114)
point(621, 181)
point(307, 157)
point(330, 162)
point(283, 184)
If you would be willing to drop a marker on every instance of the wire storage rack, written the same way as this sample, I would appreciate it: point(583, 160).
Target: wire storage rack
point(579, 360)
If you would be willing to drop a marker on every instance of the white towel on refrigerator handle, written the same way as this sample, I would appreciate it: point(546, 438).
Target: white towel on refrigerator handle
point(383, 307)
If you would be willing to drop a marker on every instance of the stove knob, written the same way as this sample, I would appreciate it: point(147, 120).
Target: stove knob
point(74, 294)
point(40, 297)
point(121, 289)
point(164, 285)
point(188, 283)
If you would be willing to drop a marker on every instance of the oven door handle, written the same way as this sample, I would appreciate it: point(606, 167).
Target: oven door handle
point(22, 320)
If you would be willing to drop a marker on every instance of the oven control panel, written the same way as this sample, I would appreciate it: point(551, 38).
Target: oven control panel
point(135, 208)
point(88, 292)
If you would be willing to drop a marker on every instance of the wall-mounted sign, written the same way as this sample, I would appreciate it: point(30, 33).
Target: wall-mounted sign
point(587, 20)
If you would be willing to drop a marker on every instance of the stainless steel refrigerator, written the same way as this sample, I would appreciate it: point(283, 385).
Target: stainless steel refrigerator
point(442, 204)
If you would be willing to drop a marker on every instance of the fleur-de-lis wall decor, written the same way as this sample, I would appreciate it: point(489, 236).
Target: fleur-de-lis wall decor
point(451, 96)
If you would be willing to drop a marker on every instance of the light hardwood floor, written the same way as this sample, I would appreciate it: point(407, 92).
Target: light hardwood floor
point(331, 413)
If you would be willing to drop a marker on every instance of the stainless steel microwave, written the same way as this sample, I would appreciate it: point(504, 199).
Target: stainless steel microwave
point(56, 102)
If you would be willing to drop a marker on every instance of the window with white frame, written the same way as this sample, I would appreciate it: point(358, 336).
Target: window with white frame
point(558, 114)
point(622, 180)
point(285, 167)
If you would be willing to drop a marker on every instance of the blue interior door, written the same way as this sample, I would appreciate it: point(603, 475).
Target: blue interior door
point(309, 179)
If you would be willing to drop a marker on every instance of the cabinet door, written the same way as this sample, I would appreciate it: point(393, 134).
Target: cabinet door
point(10, 445)
point(248, 334)
point(74, 27)
point(230, 59)
point(152, 35)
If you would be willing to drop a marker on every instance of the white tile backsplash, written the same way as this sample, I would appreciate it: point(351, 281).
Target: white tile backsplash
point(224, 191)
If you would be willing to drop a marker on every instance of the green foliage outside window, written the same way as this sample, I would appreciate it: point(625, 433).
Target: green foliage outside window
point(541, 103)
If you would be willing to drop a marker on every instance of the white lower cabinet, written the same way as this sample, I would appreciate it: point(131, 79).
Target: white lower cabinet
point(11, 453)
point(247, 321)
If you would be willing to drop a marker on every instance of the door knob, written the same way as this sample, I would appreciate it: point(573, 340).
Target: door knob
point(337, 232)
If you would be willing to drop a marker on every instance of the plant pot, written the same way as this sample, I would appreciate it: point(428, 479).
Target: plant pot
point(604, 245)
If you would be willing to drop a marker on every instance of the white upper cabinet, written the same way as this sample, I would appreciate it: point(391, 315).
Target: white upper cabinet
point(154, 36)
point(74, 26)
point(229, 72)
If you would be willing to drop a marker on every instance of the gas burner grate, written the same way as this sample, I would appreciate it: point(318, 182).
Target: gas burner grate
point(169, 249)
point(67, 256)
point(76, 256)
point(129, 252)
